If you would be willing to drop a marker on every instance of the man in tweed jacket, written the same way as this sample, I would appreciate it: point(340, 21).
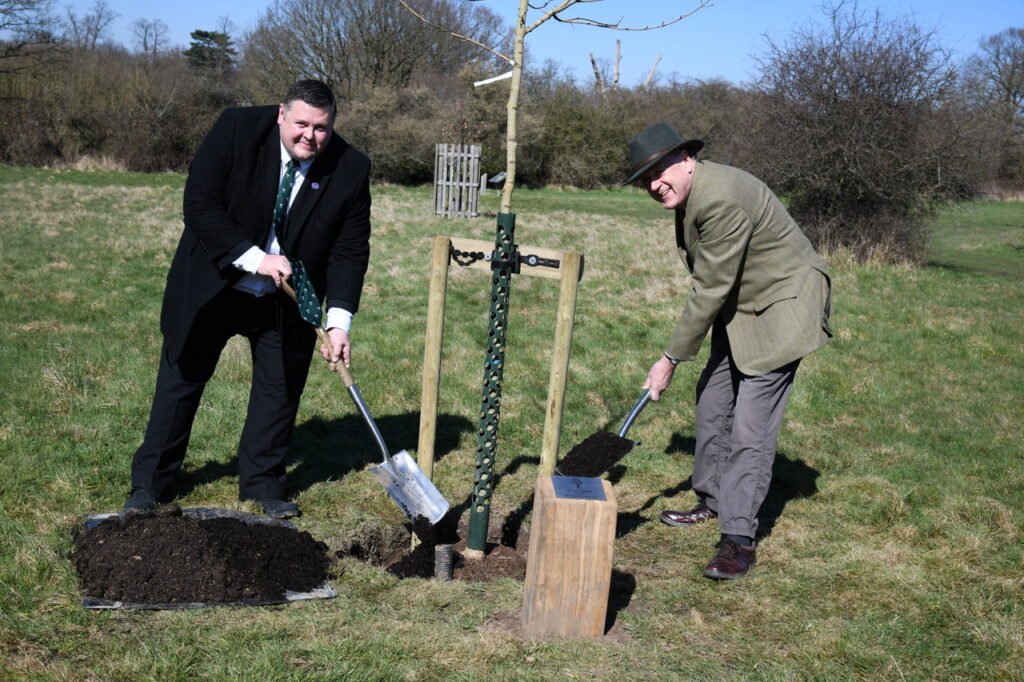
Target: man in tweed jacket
point(765, 296)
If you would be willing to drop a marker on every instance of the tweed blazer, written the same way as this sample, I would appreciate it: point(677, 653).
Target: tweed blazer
point(752, 267)
point(228, 204)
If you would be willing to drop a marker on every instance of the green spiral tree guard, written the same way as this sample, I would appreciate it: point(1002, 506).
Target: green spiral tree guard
point(490, 409)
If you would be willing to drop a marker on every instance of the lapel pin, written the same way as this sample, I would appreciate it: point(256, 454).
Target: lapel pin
point(316, 185)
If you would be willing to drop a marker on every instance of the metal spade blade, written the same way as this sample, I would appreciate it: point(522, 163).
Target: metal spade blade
point(408, 486)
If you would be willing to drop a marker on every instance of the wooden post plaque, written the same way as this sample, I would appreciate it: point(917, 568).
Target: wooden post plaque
point(569, 566)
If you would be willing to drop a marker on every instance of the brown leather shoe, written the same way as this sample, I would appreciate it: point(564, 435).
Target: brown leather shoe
point(731, 561)
point(698, 514)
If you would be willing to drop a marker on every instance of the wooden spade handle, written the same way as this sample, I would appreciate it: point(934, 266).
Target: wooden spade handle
point(321, 334)
point(350, 384)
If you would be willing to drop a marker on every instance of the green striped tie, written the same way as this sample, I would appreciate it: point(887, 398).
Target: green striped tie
point(305, 295)
point(284, 195)
point(309, 305)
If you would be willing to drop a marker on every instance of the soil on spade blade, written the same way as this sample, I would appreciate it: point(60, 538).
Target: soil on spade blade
point(170, 558)
point(595, 455)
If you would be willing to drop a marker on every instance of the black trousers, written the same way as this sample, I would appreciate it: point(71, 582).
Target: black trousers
point(281, 350)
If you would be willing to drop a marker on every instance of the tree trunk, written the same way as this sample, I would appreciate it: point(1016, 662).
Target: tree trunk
point(513, 108)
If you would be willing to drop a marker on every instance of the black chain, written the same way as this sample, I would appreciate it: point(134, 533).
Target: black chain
point(466, 258)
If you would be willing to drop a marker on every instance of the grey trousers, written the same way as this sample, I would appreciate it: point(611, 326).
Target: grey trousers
point(737, 425)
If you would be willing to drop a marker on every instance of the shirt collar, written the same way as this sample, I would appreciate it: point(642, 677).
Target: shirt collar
point(286, 157)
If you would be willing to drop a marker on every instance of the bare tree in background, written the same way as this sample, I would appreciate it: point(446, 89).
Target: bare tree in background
point(296, 38)
point(600, 77)
point(1002, 62)
point(996, 76)
point(27, 34)
point(25, 16)
point(86, 32)
point(150, 36)
point(357, 44)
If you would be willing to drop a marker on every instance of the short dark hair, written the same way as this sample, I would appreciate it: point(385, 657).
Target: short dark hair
point(314, 93)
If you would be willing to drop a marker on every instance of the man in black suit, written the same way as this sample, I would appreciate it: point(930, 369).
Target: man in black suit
point(226, 276)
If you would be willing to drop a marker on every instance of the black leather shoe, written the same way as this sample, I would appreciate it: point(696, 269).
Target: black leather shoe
point(698, 514)
point(732, 561)
point(280, 509)
point(141, 500)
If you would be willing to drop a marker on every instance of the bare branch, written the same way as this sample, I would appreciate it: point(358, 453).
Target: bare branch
point(454, 34)
point(584, 21)
point(598, 80)
point(650, 75)
point(564, 5)
point(618, 61)
point(87, 31)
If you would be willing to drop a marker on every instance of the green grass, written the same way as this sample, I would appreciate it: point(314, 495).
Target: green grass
point(980, 237)
point(894, 519)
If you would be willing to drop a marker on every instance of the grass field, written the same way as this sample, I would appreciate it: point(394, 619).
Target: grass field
point(894, 523)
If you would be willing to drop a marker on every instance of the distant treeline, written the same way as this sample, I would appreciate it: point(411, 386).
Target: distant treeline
point(862, 125)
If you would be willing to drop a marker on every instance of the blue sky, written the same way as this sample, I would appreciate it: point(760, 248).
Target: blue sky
point(716, 42)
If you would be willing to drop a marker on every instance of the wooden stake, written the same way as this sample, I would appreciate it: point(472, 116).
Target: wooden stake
point(572, 262)
point(432, 354)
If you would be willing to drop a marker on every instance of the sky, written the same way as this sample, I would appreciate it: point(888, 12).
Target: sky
point(720, 41)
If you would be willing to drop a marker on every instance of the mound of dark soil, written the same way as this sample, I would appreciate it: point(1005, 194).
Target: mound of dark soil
point(595, 455)
point(171, 558)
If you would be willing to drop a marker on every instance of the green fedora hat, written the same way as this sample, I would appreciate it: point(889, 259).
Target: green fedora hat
point(653, 144)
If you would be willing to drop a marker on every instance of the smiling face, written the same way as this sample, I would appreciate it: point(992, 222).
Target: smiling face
point(668, 181)
point(304, 129)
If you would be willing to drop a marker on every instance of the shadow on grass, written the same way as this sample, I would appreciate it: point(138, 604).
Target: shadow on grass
point(620, 594)
point(967, 263)
point(630, 521)
point(968, 269)
point(791, 479)
point(329, 449)
point(680, 443)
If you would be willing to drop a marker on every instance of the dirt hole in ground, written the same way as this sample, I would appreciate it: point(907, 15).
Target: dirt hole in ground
point(168, 557)
point(504, 556)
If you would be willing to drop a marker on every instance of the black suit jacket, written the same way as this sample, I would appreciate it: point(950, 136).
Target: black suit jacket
point(228, 205)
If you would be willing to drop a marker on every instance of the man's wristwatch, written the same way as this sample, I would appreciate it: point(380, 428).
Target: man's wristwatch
point(671, 359)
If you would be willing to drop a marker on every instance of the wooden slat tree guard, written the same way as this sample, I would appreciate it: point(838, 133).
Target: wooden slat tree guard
point(456, 180)
point(568, 272)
